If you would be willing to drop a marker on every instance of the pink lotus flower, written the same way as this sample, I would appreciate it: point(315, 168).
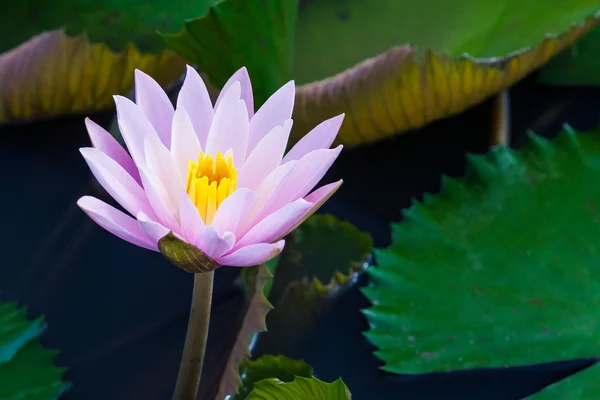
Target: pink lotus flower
point(217, 178)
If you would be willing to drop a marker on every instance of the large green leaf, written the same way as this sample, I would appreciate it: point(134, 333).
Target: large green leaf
point(320, 259)
point(335, 35)
point(300, 389)
point(258, 34)
point(268, 366)
point(26, 368)
point(404, 63)
point(577, 65)
point(500, 268)
point(584, 385)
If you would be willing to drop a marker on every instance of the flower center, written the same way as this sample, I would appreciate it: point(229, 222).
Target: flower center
point(209, 182)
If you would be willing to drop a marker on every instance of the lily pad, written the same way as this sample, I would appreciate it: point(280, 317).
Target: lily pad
point(48, 67)
point(392, 66)
point(497, 270)
point(300, 389)
point(321, 259)
point(584, 385)
point(577, 65)
point(268, 366)
point(26, 368)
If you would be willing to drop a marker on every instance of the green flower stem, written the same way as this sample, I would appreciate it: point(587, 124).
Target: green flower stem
point(190, 368)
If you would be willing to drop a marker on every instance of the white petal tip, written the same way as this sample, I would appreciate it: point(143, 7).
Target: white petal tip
point(140, 74)
point(85, 151)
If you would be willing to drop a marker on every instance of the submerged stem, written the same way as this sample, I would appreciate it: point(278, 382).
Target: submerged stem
point(194, 349)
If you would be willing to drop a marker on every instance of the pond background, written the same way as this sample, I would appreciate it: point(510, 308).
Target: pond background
point(118, 313)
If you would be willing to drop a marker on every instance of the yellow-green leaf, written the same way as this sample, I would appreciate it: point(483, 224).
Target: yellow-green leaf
point(402, 88)
point(300, 389)
point(54, 74)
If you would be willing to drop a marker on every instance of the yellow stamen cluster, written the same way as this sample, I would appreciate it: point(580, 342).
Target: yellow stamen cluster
point(209, 182)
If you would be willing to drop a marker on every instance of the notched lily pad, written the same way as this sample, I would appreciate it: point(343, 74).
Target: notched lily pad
point(26, 368)
point(321, 259)
point(499, 269)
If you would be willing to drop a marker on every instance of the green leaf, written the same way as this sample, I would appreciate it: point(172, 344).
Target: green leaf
point(499, 268)
point(255, 280)
point(584, 385)
point(268, 366)
point(322, 247)
point(114, 22)
point(300, 389)
point(258, 34)
point(577, 65)
point(356, 30)
point(48, 67)
point(392, 66)
point(53, 74)
point(26, 368)
point(320, 259)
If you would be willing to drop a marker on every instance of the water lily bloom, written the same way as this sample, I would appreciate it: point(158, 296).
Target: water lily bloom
point(213, 180)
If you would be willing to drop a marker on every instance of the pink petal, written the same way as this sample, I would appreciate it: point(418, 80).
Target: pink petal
point(265, 157)
point(185, 145)
point(309, 170)
point(159, 200)
point(276, 110)
point(213, 244)
point(153, 230)
point(241, 76)
point(116, 181)
point(194, 98)
point(155, 104)
point(229, 129)
point(321, 137)
point(252, 255)
point(322, 194)
point(234, 210)
point(116, 222)
point(134, 127)
point(160, 163)
point(191, 223)
point(275, 225)
point(106, 143)
point(317, 199)
point(268, 187)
